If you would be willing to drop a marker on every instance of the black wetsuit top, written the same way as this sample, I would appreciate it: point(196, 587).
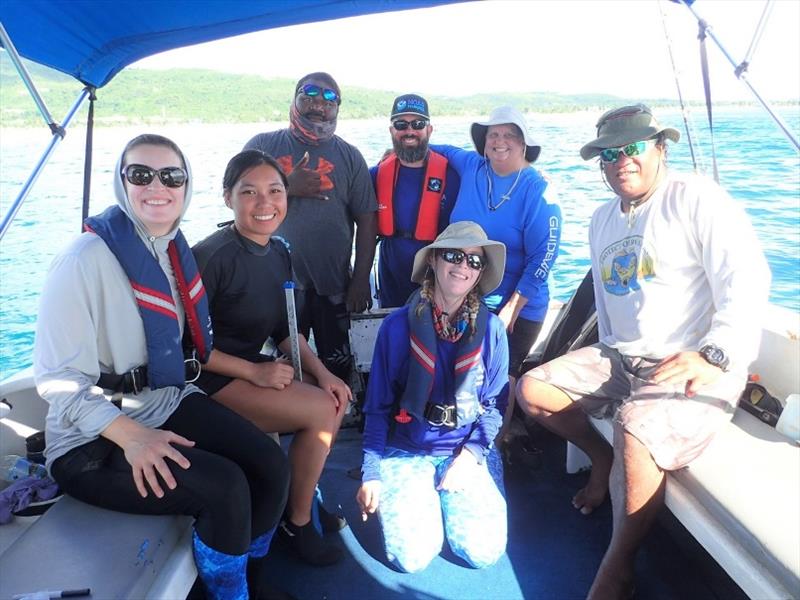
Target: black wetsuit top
point(244, 282)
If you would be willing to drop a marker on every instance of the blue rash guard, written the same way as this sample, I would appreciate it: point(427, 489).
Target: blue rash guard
point(396, 256)
point(527, 224)
point(386, 383)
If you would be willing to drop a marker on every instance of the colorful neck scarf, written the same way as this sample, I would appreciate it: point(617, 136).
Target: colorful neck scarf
point(444, 328)
point(311, 133)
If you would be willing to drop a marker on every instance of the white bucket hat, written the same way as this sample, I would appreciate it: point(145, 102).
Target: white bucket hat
point(505, 115)
point(466, 234)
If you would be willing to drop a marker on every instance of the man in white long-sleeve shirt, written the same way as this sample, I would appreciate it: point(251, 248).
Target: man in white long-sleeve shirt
point(680, 281)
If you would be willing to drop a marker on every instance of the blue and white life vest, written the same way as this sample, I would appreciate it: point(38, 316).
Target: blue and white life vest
point(165, 364)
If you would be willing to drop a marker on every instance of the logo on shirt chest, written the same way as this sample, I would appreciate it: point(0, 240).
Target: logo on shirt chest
point(624, 264)
point(324, 168)
point(434, 184)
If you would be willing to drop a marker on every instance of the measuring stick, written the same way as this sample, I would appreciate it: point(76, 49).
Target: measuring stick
point(291, 312)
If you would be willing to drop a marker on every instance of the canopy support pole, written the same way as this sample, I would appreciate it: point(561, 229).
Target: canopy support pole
point(58, 131)
point(87, 157)
point(740, 72)
point(678, 87)
point(26, 79)
point(26, 188)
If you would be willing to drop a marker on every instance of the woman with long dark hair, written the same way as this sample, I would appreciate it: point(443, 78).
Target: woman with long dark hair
point(244, 268)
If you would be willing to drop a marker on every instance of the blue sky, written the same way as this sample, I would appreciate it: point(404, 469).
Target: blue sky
point(567, 46)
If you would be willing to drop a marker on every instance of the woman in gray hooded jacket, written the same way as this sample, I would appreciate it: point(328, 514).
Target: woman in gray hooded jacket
point(112, 316)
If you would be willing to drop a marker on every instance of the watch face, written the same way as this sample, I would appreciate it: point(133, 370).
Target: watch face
point(715, 355)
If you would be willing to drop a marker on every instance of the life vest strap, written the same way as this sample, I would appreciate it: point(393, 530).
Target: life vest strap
point(135, 380)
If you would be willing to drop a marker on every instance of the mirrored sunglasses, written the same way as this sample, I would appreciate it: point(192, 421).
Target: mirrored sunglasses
point(456, 257)
point(312, 91)
point(610, 155)
point(416, 124)
point(172, 177)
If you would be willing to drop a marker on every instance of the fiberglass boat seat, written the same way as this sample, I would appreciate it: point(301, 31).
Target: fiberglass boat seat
point(117, 555)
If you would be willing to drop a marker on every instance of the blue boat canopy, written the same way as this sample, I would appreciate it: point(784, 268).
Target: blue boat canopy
point(93, 40)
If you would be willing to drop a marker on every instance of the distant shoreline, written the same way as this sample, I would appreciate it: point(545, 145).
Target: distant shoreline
point(126, 122)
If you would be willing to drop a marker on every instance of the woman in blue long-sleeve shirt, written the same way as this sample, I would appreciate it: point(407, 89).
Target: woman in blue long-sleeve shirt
point(437, 392)
point(505, 195)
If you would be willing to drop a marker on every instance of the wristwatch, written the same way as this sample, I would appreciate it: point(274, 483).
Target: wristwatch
point(715, 355)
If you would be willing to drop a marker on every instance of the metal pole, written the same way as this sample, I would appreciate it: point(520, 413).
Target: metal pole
point(741, 75)
point(762, 23)
point(291, 313)
point(26, 78)
point(26, 188)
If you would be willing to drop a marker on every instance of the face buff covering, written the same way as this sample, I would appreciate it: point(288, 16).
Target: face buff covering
point(311, 133)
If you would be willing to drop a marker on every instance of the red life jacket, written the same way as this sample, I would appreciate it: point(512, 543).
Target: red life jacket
point(430, 202)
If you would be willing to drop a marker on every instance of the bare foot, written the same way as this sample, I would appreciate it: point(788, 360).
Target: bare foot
point(594, 493)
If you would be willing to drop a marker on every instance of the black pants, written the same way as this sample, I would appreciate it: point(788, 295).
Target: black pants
point(330, 323)
point(520, 342)
point(236, 486)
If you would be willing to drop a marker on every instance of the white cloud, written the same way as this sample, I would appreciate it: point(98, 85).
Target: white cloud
point(567, 46)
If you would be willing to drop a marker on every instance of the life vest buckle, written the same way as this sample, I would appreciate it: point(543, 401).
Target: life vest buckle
point(193, 368)
point(438, 414)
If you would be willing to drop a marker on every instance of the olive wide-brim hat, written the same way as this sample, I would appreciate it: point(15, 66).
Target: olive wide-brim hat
point(626, 125)
point(460, 235)
point(505, 115)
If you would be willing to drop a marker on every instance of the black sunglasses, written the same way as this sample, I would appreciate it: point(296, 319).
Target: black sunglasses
point(456, 257)
point(312, 91)
point(416, 124)
point(172, 177)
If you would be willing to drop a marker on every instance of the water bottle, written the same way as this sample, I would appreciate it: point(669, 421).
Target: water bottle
point(13, 467)
point(789, 423)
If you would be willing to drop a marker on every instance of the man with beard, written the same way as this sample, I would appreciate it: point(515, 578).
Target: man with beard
point(416, 190)
point(329, 192)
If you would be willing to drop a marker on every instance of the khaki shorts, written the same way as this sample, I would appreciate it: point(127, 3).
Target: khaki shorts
point(673, 427)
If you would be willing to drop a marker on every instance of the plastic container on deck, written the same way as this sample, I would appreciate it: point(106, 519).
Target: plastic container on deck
point(13, 467)
point(789, 422)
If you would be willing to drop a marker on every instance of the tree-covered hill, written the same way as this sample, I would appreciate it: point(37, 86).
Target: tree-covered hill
point(205, 96)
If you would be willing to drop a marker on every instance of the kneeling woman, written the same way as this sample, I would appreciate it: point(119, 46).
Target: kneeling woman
point(114, 302)
point(244, 270)
point(437, 391)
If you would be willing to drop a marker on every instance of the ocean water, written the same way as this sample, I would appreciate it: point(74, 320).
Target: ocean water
point(757, 165)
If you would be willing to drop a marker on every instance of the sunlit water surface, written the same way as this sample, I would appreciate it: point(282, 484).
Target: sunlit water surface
point(757, 165)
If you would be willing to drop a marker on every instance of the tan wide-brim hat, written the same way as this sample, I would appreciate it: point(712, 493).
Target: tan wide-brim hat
point(460, 235)
point(505, 115)
point(626, 125)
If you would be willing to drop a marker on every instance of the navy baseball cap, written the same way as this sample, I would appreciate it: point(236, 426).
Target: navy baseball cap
point(410, 104)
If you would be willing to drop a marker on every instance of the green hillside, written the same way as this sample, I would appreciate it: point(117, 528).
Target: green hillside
point(205, 96)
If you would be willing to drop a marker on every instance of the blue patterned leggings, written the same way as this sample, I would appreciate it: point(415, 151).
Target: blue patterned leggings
point(415, 516)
